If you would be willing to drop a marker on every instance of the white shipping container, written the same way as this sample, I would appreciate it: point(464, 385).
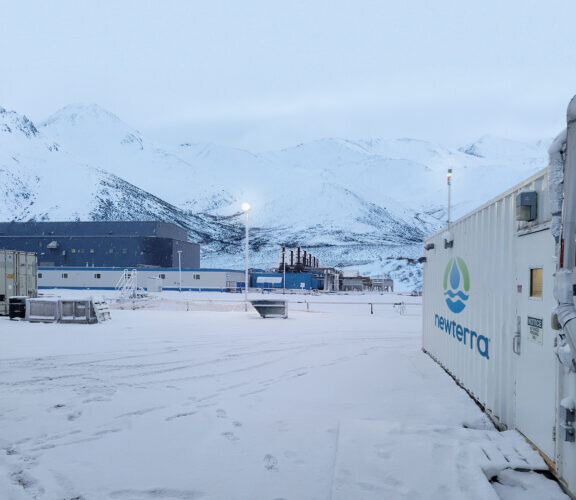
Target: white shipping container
point(487, 306)
point(18, 271)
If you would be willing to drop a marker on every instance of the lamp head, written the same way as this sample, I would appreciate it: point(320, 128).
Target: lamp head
point(245, 207)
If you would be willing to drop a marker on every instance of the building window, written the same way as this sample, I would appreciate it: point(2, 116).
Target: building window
point(97, 276)
point(536, 282)
point(65, 275)
point(162, 276)
point(81, 250)
point(111, 250)
point(39, 275)
point(124, 250)
point(196, 276)
point(73, 250)
point(91, 250)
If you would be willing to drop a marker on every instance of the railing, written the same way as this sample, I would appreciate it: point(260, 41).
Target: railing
point(401, 307)
point(127, 286)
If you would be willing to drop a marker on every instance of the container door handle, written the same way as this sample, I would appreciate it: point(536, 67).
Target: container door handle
point(517, 336)
point(516, 343)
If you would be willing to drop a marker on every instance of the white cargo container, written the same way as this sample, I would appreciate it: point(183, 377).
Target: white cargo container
point(487, 306)
point(17, 276)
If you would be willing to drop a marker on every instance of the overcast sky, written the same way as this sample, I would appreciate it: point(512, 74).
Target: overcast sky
point(263, 74)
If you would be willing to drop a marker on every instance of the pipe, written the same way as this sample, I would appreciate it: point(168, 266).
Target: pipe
point(563, 290)
point(569, 205)
point(555, 180)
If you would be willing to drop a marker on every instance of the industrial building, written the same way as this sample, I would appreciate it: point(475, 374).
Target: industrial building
point(353, 281)
point(152, 279)
point(294, 281)
point(498, 306)
point(298, 270)
point(382, 284)
point(102, 244)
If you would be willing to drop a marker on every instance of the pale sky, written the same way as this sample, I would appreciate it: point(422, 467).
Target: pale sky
point(264, 74)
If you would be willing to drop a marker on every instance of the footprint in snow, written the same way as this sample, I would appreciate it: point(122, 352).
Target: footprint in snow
point(230, 436)
point(270, 462)
point(221, 413)
point(74, 416)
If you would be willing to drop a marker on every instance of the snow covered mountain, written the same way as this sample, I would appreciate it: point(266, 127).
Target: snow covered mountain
point(365, 204)
point(42, 181)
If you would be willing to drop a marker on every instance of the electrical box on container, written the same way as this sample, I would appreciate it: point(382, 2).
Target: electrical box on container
point(527, 206)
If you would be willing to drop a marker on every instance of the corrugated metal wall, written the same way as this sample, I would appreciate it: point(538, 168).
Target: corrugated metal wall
point(520, 389)
point(17, 276)
point(486, 240)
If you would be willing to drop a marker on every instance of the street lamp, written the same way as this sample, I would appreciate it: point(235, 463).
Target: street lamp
point(284, 270)
point(449, 181)
point(246, 209)
point(180, 270)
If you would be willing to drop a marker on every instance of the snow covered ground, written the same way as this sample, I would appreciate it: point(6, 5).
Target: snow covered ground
point(195, 400)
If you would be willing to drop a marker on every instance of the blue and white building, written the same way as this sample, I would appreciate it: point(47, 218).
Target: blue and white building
point(102, 244)
point(107, 278)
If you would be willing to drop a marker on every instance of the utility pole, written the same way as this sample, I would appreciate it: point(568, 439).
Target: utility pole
point(246, 209)
point(180, 271)
point(284, 270)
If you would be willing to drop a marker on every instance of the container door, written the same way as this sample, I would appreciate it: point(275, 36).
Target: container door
point(536, 367)
point(21, 278)
point(10, 279)
point(31, 275)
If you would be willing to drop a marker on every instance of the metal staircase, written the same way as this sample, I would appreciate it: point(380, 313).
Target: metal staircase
point(127, 286)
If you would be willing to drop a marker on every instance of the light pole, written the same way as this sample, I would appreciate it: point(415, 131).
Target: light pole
point(246, 209)
point(449, 180)
point(284, 270)
point(179, 271)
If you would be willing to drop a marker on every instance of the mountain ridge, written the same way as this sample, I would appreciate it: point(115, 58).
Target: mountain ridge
point(361, 203)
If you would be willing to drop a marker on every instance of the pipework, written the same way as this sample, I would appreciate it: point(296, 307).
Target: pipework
point(565, 312)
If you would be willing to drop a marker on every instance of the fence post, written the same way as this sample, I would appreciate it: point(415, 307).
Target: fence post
point(371, 308)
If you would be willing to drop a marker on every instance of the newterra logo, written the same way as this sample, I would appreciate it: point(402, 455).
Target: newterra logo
point(456, 288)
point(456, 284)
